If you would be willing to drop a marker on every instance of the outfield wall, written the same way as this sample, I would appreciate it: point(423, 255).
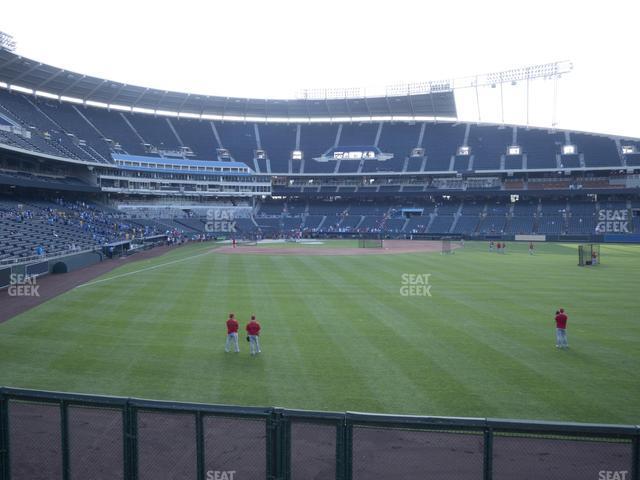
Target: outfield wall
point(65, 436)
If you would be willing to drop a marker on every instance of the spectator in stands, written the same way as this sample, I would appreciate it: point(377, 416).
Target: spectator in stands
point(232, 334)
point(253, 330)
point(561, 329)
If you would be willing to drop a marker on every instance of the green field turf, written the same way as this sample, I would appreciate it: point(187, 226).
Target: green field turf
point(338, 335)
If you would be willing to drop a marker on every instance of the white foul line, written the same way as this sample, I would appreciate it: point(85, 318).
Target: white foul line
point(153, 267)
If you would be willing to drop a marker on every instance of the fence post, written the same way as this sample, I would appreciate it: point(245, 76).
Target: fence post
point(130, 443)
point(200, 445)
point(341, 450)
point(5, 472)
point(347, 450)
point(285, 448)
point(273, 445)
point(64, 438)
point(488, 454)
point(635, 455)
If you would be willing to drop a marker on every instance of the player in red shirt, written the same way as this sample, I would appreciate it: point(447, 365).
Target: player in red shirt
point(232, 334)
point(498, 246)
point(561, 329)
point(253, 329)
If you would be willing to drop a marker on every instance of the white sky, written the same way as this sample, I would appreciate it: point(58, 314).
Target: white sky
point(253, 48)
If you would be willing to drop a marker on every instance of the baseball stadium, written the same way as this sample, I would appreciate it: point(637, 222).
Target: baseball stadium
point(407, 270)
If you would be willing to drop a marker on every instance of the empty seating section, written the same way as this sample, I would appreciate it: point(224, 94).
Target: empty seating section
point(488, 144)
point(466, 224)
point(348, 166)
point(497, 208)
point(441, 224)
point(271, 209)
point(513, 162)
point(279, 141)
point(68, 118)
point(540, 147)
point(471, 208)
point(57, 129)
point(632, 159)
point(394, 225)
point(441, 141)
point(520, 225)
point(45, 134)
point(312, 222)
point(414, 164)
point(239, 139)
point(493, 224)
point(461, 163)
point(448, 208)
point(354, 134)
point(582, 224)
point(551, 225)
point(314, 141)
point(525, 208)
point(582, 208)
point(114, 128)
point(197, 135)
point(398, 139)
point(154, 130)
point(553, 207)
point(598, 151)
point(569, 161)
point(417, 224)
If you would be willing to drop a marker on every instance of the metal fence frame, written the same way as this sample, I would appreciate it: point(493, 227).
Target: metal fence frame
point(278, 434)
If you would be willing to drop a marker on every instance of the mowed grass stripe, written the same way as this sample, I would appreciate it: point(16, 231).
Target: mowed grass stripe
point(339, 336)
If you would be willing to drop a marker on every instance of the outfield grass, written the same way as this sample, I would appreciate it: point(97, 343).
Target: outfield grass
point(337, 334)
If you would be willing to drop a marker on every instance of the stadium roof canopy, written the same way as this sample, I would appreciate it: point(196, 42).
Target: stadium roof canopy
point(433, 101)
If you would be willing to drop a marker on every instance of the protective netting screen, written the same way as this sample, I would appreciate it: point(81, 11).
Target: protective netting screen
point(166, 445)
point(533, 458)
point(235, 445)
point(313, 451)
point(409, 454)
point(35, 439)
point(95, 443)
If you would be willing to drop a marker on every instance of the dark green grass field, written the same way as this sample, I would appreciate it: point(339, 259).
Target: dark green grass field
point(338, 335)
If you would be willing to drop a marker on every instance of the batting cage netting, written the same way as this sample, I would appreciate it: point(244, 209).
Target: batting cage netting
point(446, 245)
point(370, 243)
point(589, 254)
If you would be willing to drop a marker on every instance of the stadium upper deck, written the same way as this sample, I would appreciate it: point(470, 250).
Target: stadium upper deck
point(36, 76)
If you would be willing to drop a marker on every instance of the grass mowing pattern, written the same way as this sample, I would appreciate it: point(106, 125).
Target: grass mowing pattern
point(337, 334)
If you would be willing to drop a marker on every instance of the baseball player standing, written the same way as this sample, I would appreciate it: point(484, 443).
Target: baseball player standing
point(253, 329)
point(232, 334)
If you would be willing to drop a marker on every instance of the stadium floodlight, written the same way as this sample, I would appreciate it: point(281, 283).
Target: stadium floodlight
point(7, 42)
point(628, 149)
point(71, 99)
point(464, 151)
point(296, 155)
point(514, 150)
point(39, 93)
point(569, 150)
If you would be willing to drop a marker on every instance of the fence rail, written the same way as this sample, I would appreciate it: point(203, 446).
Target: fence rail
point(72, 436)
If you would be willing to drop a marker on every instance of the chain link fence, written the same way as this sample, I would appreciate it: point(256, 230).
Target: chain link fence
point(46, 435)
